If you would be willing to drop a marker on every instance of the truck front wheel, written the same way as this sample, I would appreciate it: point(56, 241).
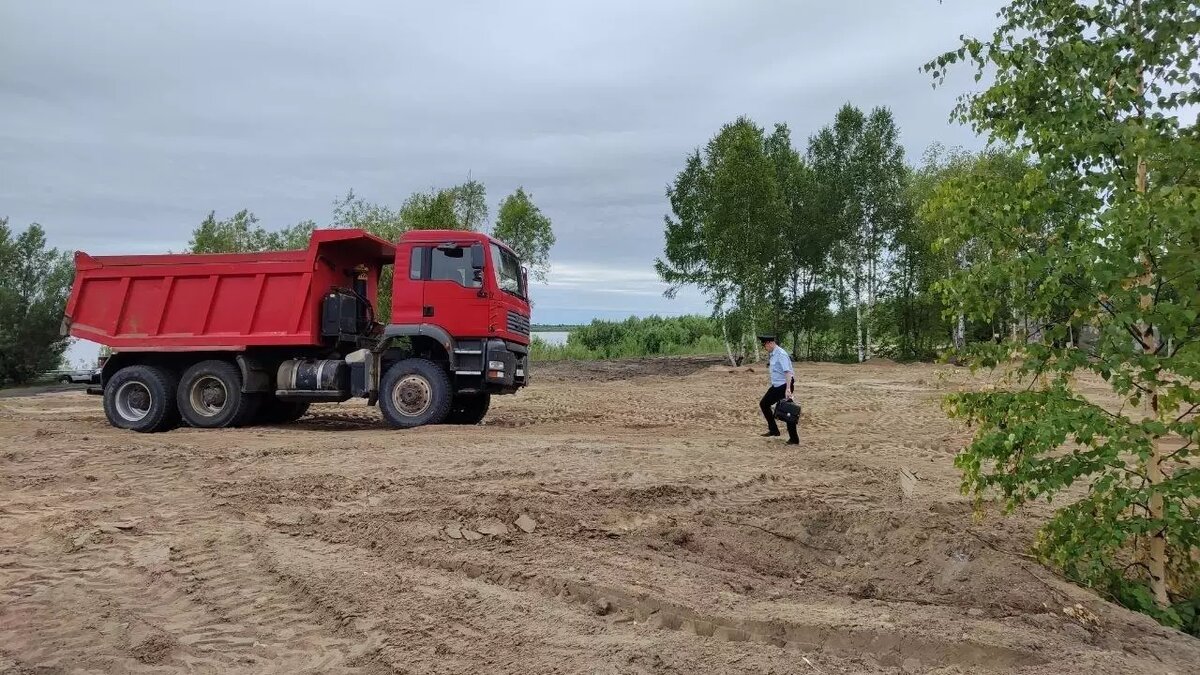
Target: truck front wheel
point(141, 398)
point(414, 392)
point(210, 396)
point(469, 409)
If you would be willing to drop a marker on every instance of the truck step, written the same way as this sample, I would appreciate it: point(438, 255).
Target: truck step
point(312, 396)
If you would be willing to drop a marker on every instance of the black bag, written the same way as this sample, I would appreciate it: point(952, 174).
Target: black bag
point(787, 412)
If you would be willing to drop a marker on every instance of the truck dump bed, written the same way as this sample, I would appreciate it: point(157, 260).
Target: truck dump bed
point(226, 301)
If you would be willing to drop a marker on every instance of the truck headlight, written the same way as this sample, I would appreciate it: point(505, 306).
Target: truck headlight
point(495, 365)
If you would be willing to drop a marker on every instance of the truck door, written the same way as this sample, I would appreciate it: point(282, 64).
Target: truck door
point(454, 296)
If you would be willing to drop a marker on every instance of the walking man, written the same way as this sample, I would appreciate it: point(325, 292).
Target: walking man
point(783, 384)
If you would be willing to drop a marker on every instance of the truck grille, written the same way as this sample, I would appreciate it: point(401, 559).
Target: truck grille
point(517, 323)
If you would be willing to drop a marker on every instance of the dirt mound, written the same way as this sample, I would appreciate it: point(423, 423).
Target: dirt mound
point(590, 525)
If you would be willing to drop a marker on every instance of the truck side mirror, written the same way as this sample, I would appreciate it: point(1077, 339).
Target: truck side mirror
point(477, 268)
point(477, 257)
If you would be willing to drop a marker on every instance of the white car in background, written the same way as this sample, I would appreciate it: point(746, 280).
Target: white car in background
point(75, 376)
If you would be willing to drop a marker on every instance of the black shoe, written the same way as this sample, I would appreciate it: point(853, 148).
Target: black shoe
point(793, 441)
point(770, 434)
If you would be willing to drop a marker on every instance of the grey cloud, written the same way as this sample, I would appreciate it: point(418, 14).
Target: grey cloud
point(123, 124)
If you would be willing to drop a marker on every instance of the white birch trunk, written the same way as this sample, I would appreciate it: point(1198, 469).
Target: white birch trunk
point(858, 328)
point(725, 339)
point(870, 305)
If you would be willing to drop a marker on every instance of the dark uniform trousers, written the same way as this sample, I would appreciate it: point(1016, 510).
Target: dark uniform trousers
point(773, 396)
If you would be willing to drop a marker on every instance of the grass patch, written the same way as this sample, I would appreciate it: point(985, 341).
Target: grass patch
point(635, 338)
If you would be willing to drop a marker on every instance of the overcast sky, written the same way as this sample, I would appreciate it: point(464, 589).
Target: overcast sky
point(123, 123)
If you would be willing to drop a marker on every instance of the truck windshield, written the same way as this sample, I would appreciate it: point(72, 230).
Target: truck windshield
point(508, 271)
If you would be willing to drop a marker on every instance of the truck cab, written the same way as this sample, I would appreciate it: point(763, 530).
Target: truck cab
point(469, 293)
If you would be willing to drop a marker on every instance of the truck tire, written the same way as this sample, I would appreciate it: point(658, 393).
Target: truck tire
point(65, 379)
point(277, 411)
point(142, 399)
point(210, 396)
point(414, 392)
point(469, 409)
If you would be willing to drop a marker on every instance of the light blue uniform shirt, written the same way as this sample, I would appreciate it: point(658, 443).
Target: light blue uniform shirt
point(779, 365)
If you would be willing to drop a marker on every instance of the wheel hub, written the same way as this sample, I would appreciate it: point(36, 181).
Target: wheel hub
point(412, 395)
point(208, 396)
point(133, 401)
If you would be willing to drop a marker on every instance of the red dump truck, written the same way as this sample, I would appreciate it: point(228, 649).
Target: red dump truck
point(240, 338)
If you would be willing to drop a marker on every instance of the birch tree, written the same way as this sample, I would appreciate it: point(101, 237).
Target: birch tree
point(723, 235)
point(1097, 92)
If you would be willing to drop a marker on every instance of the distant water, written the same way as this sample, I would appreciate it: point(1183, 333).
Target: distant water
point(553, 337)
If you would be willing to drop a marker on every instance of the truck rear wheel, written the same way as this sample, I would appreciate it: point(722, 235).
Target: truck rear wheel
point(469, 409)
point(141, 398)
point(414, 392)
point(210, 396)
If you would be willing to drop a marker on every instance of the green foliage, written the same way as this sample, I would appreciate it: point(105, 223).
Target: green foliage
point(799, 294)
point(470, 205)
point(521, 225)
point(860, 197)
point(461, 207)
point(636, 337)
point(352, 211)
point(1102, 233)
point(726, 236)
point(433, 210)
point(34, 283)
point(913, 321)
point(540, 351)
point(239, 234)
point(776, 239)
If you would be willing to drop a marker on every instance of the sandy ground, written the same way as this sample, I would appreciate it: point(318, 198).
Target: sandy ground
point(661, 535)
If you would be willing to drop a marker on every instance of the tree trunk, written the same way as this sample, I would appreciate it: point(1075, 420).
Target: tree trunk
point(754, 336)
point(1158, 540)
point(858, 313)
point(1154, 474)
point(858, 326)
point(870, 305)
point(792, 314)
point(1157, 561)
point(725, 338)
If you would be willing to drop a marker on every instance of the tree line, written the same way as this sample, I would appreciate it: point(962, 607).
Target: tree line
point(34, 283)
point(634, 337)
point(832, 247)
